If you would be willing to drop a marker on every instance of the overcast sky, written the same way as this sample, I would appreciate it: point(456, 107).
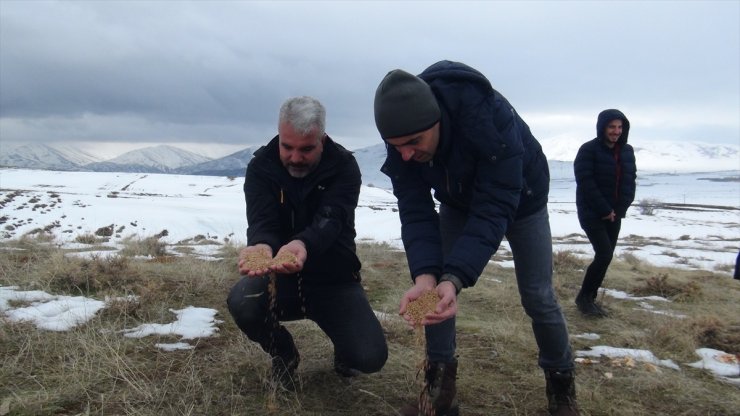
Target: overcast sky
point(143, 73)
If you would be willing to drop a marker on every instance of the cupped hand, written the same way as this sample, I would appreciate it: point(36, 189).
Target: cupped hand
point(446, 307)
point(255, 260)
point(290, 258)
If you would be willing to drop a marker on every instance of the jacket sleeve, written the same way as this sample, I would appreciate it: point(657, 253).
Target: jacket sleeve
point(498, 149)
point(419, 218)
point(263, 220)
point(584, 169)
point(336, 209)
point(628, 184)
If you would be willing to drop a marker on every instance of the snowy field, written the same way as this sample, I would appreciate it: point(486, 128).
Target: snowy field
point(696, 224)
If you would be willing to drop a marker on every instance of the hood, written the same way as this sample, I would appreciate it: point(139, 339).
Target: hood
point(445, 77)
point(608, 115)
point(454, 71)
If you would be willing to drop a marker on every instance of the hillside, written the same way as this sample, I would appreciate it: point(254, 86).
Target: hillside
point(160, 341)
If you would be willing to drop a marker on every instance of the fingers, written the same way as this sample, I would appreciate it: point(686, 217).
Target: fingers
point(290, 265)
point(435, 318)
point(446, 308)
point(286, 268)
point(407, 298)
point(403, 305)
point(253, 273)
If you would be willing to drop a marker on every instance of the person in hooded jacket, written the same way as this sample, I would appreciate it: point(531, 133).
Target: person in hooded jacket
point(451, 137)
point(301, 191)
point(605, 174)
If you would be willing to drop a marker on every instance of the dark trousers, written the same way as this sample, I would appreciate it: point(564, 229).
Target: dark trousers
point(603, 237)
point(341, 310)
point(531, 246)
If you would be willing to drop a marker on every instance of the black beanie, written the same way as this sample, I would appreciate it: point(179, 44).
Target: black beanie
point(404, 104)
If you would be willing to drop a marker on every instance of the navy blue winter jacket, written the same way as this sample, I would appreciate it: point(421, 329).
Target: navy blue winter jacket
point(487, 164)
point(605, 178)
point(318, 210)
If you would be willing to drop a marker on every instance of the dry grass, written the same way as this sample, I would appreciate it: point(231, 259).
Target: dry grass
point(95, 370)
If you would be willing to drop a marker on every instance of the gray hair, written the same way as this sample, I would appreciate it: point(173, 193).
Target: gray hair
point(304, 114)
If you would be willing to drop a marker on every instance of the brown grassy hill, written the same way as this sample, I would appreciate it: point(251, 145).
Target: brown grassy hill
point(94, 370)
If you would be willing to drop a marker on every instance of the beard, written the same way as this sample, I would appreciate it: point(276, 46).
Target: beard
point(299, 170)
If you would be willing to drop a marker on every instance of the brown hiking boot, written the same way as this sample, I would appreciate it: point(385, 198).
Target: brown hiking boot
point(438, 397)
point(561, 393)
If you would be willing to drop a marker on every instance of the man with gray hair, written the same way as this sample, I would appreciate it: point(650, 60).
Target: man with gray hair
point(301, 192)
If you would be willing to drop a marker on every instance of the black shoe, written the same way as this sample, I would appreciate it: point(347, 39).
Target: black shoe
point(601, 309)
point(589, 308)
point(343, 370)
point(283, 372)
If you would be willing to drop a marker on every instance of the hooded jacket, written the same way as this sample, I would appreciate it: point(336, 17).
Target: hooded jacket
point(318, 210)
point(487, 164)
point(605, 177)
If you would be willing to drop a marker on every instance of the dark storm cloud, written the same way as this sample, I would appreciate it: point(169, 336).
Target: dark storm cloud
point(191, 71)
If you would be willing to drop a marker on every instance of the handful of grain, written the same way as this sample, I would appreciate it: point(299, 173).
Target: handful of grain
point(284, 257)
point(257, 260)
point(424, 304)
point(260, 259)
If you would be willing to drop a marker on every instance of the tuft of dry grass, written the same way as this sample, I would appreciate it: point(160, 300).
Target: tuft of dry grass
point(150, 246)
point(714, 332)
point(93, 369)
point(567, 262)
point(660, 285)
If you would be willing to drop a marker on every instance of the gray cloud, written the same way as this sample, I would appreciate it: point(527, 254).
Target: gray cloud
point(166, 71)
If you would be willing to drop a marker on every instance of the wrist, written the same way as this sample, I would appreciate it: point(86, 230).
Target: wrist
point(426, 280)
point(451, 278)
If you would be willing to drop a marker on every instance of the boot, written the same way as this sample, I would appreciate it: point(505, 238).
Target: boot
point(561, 393)
point(283, 372)
point(438, 397)
point(588, 307)
point(285, 358)
point(343, 370)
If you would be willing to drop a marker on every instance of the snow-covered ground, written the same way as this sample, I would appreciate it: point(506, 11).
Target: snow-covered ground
point(702, 231)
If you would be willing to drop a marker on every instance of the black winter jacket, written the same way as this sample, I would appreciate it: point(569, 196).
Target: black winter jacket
point(605, 178)
point(487, 164)
point(318, 210)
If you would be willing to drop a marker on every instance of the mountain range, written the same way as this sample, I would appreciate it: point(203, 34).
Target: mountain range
point(653, 157)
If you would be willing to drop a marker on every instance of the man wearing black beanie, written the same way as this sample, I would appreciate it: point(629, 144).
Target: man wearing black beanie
point(448, 131)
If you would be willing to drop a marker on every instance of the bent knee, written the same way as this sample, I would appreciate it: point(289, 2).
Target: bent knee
point(244, 299)
point(368, 360)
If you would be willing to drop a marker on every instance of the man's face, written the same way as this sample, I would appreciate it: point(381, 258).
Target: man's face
point(419, 147)
point(613, 131)
point(300, 154)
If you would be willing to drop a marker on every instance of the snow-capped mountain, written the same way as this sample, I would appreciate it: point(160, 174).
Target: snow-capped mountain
point(162, 158)
point(232, 165)
point(653, 156)
point(41, 156)
point(370, 159)
point(660, 156)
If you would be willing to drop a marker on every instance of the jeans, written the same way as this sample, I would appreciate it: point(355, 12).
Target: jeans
point(342, 311)
point(531, 246)
point(603, 237)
